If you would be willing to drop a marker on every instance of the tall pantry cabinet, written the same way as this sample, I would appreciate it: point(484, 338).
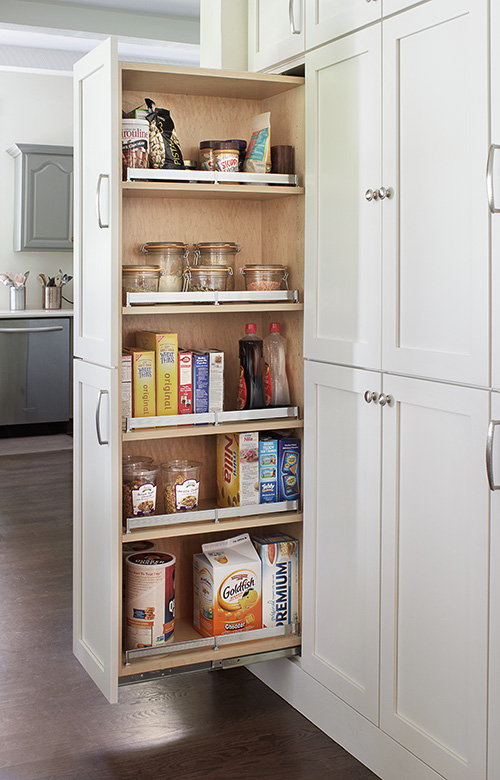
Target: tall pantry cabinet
point(113, 219)
point(400, 596)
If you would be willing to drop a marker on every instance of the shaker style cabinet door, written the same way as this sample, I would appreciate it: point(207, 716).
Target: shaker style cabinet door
point(275, 32)
point(434, 602)
point(343, 213)
point(328, 19)
point(340, 645)
point(97, 282)
point(493, 193)
point(96, 565)
point(493, 463)
point(435, 217)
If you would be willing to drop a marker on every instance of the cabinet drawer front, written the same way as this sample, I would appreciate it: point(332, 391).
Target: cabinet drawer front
point(328, 19)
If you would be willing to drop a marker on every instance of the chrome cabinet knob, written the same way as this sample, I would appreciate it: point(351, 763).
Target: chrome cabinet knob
point(371, 195)
point(384, 192)
point(384, 399)
point(370, 395)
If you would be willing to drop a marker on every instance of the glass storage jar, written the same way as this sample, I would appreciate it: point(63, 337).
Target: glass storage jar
point(171, 257)
point(217, 253)
point(265, 278)
point(181, 485)
point(140, 278)
point(207, 278)
point(140, 482)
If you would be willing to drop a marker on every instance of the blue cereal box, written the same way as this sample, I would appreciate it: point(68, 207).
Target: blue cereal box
point(288, 469)
point(268, 470)
point(200, 382)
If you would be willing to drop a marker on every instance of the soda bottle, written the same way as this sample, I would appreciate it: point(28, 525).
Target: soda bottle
point(250, 388)
point(276, 391)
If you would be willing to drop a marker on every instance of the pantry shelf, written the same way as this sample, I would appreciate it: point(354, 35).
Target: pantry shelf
point(177, 431)
point(212, 298)
point(213, 418)
point(143, 189)
point(202, 308)
point(235, 523)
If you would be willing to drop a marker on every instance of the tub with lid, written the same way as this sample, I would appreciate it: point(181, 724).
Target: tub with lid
point(171, 256)
point(264, 278)
point(140, 278)
point(207, 278)
point(217, 253)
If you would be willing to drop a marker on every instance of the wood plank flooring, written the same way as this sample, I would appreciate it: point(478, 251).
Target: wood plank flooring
point(55, 724)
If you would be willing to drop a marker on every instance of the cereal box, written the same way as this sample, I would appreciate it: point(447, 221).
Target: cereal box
point(216, 380)
point(165, 348)
point(143, 382)
point(126, 378)
point(200, 382)
point(237, 469)
point(279, 556)
point(268, 469)
point(289, 469)
point(185, 382)
point(226, 586)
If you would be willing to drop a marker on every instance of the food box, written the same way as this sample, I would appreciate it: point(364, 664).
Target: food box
point(237, 469)
point(226, 586)
point(268, 469)
point(216, 380)
point(185, 382)
point(289, 469)
point(165, 348)
point(143, 382)
point(279, 556)
point(200, 382)
point(126, 389)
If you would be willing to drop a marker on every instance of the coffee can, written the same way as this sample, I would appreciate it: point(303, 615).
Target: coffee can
point(149, 599)
point(135, 144)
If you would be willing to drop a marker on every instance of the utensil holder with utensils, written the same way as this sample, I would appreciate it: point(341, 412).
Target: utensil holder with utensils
point(52, 297)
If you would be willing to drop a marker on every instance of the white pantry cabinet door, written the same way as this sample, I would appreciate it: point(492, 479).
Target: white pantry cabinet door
point(393, 6)
point(275, 32)
point(434, 614)
point(343, 228)
point(493, 192)
point(328, 19)
point(435, 224)
point(97, 284)
point(342, 534)
point(96, 565)
point(494, 677)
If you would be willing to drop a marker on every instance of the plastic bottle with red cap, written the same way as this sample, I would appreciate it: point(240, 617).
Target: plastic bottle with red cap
point(276, 390)
point(251, 386)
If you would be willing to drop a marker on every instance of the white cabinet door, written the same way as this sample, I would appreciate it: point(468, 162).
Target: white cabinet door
point(275, 32)
point(342, 534)
point(434, 624)
point(494, 193)
point(328, 19)
point(97, 283)
point(96, 565)
point(494, 676)
point(393, 6)
point(435, 225)
point(343, 228)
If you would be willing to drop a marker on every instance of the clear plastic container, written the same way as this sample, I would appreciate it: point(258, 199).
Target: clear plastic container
point(181, 485)
point(217, 253)
point(140, 483)
point(140, 278)
point(276, 390)
point(171, 256)
point(265, 278)
point(132, 460)
point(203, 278)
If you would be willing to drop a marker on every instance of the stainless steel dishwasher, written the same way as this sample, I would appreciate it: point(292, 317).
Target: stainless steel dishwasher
point(35, 359)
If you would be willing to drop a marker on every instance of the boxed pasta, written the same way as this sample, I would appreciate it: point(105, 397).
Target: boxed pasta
point(165, 347)
point(279, 555)
point(226, 587)
point(143, 382)
point(237, 469)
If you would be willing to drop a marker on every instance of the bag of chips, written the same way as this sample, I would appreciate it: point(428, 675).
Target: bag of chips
point(164, 147)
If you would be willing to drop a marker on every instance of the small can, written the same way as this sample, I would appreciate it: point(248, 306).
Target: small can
point(149, 599)
point(135, 144)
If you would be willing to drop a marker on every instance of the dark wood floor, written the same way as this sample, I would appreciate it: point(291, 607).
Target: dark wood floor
point(54, 723)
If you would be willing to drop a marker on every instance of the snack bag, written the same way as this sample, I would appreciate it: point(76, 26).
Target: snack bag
point(258, 156)
point(164, 146)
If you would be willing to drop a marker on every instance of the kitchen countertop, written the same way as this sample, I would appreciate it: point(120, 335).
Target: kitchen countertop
point(35, 313)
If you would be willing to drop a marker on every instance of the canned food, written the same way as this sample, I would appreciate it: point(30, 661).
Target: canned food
point(140, 278)
point(149, 598)
point(265, 277)
point(135, 144)
point(206, 278)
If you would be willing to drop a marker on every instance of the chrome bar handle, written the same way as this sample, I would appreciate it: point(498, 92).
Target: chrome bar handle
point(31, 330)
point(98, 200)
point(489, 179)
point(98, 418)
point(489, 454)
point(291, 15)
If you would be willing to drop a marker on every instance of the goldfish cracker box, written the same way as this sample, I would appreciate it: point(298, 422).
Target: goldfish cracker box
point(237, 469)
point(279, 555)
point(165, 347)
point(226, 586)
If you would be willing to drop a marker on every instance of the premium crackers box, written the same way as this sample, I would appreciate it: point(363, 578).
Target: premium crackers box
point(226, 587)
point(200, 382)
point(268, 469)
point(279, 555)
point(289, 469)
point(126, 380)
point(185, 382)
point(237, 469)
point(143, 382)
point(165, 348)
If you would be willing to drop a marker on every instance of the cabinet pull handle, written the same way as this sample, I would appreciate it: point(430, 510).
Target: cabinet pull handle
point(98, 418)
point(489, 179)
point(384, 192)
point(102, 176)
point(384, 399)
point(370, 395)
point(295, 30)
point(489, 454)
point(371, 195)
point(31, 330)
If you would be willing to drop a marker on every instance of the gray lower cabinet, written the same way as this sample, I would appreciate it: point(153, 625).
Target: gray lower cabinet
point(43, 218)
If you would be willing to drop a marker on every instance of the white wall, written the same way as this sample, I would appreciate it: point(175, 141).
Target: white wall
point(34, 109)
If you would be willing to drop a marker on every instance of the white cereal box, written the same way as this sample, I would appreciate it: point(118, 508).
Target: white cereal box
point(279, 556)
